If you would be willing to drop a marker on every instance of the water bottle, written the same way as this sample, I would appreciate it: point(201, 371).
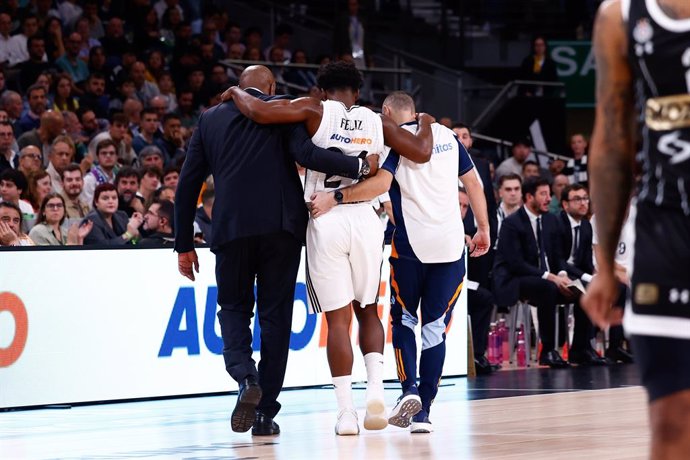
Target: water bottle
point(492, 349)
point(505, 335)
point(521, 353)
point(499, 346)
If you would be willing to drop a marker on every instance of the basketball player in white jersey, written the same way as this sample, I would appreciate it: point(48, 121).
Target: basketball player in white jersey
point(642, 51)
point(344, 251)
point(427, 252)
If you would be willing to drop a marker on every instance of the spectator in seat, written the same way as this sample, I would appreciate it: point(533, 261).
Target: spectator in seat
point(171, 175)
point(560, 181)
point(159, 224)
point(73, 129)
point(538, 66)
point(51, 126)
point(172, 142)
point(95, 96)
point(11, 223)
point(70, 62)
point(63, 100)
point(73, 186)
point(143, 90)
point(32, 68)
point(510, 195)
point(148, 130)
point(11, 102)
point(167, 89)
point(578, 262)
point(104, 171)
point(127, 184)
point(151, 156)
point(114, 42)
point(50, 229)
point(40, 185)
point(13, 185)
point(187, 113)
point(54, 40)
point(164, 193)
point(37, 97)
point(149, 181)
point(110, 226)
point(480, 301)
point(5, 30)
point(527, 264)
point(116, 133)
point(576, 168)
point(17, 46)
point(530, 170)
point(61, 155)
point(90, 122)
point(203, 215)
point(301, 77)
point(9, 159)
point(521, 152)
point(29, 160)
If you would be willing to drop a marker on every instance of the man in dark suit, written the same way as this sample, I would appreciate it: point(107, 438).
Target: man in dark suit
point(527, 262)
point(259, 224)
point(576, 253)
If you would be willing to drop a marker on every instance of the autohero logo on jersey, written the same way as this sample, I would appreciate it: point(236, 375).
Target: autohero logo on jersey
point(10, 351)
point(351, 140)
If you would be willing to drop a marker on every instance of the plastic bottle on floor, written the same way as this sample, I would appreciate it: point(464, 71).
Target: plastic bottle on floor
point(493, 342)
point(521, 353)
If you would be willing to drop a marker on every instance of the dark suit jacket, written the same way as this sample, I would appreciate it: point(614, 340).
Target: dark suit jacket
point(102, 233)
point(479, 268)
point(583, 262)
point(257, 188)
point(517, 254)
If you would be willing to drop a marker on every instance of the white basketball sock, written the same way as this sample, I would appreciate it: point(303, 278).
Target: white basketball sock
point(374, 364)
point(343, 392)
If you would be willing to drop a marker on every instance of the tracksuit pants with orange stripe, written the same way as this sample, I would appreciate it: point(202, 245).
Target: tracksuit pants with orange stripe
point(434, 290)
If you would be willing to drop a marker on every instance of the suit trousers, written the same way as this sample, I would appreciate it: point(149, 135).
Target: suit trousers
point(545, 296)
point(480, 303)
point(273, 261)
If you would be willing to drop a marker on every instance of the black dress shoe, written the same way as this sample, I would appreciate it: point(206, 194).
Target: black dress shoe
point(553, 360)
point(587, 357)
point(484, 367)
point(264, 425)
point(244, 414)
point(619, 354)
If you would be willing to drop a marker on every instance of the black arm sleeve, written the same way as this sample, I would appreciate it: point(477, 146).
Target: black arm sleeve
point(305, 153)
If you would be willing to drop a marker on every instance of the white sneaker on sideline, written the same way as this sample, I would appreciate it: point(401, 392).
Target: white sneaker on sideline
point(347, 424)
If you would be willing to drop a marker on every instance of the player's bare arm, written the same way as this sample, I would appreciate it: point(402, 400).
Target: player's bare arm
point(481, 240)
point(415, 147)
point(304, 109)
point(611, 155)
point(322, 202)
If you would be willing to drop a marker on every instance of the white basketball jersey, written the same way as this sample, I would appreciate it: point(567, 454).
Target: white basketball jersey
point(356, 132)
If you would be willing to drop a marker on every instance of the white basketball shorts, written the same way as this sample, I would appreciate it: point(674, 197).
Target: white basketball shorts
point(344, 256)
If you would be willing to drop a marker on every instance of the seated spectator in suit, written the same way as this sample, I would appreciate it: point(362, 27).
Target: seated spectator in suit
point(527, 262)
point(510, 194)
point(172, 141)
point(480, 301)
point(203, 215)
point(104, 171)
point(11, 226)
point(110, 226)
point(576, 251)
point(72, 187)
point(559, 183)
point(171, 175)
point(127, 183)
point(50, 229)
point(159, 223)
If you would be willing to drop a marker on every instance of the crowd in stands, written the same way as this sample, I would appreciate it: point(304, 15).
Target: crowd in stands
point(95, 93)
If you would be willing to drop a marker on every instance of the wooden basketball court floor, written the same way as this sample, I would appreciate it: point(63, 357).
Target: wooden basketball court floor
point(525, 413)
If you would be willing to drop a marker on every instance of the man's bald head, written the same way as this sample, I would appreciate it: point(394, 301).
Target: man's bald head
point(259, 77)
point(400, 107)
